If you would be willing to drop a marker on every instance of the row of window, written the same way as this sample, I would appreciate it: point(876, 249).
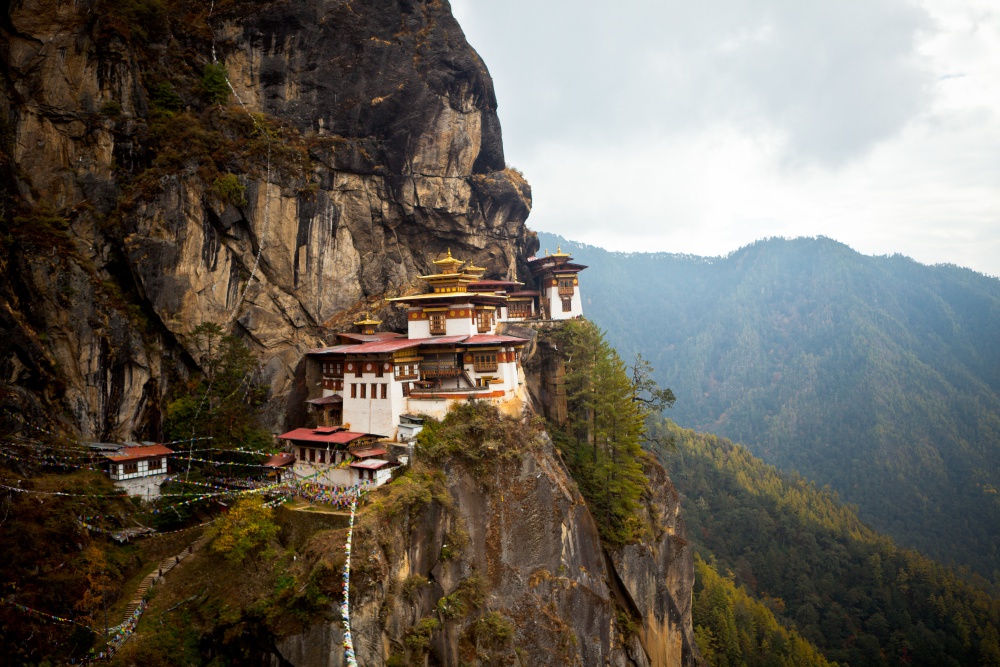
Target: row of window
point(132, 467)
point(360, 390)
point(311, 455)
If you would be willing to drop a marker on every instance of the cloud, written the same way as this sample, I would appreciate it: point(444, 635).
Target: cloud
point(701, 127)
point(832, 78)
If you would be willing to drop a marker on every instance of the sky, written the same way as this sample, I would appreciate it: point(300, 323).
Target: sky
point(700, 127)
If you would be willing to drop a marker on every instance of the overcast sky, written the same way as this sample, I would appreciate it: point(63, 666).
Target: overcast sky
point(699, 127)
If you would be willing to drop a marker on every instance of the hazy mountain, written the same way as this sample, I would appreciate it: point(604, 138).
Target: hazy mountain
point(877, 375)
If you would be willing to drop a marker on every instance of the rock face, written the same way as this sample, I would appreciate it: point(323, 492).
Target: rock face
point(374, 148)
point(528, 539)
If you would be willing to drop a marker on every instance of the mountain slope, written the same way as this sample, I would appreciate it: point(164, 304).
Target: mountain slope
point(847, 589)
point(877, 375)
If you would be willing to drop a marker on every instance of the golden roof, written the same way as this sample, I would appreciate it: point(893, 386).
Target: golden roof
point(368, 321)
point(558, 252)
point(449, 262)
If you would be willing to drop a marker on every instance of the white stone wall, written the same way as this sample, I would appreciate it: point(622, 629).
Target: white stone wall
point(147, 486)
point(418, 329)
point(374, 415)
point(461, 326)
point(555, 304)
point(325, 474)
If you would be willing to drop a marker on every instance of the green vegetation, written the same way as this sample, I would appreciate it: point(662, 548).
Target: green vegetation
point(229, 189)
point(847, 589)
point(477, 435)
point(734, 630)
point(224, 404)
point(245, 530)
point(875, 375)
point(53, 565)
point(214, 84)
point(608, 404)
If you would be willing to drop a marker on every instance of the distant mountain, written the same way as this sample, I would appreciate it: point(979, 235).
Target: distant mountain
point(877, 375)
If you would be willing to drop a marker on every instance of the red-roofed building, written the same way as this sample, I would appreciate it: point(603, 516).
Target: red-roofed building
point(324, 455)
point(139, 470)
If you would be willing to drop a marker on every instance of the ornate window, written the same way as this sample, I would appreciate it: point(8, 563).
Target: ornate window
point(483, 320)
point(438, 324)
point(484, 362)
point(567, 303)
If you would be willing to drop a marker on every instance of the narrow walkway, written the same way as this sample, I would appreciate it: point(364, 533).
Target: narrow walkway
point(133, 612)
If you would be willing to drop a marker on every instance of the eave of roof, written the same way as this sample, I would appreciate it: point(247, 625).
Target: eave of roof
point(338, 438)
point(136, 453)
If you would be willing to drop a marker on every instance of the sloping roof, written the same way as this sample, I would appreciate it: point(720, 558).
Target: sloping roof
point(440, 340)
point(368, 453)
point(489, 339)
point(368, 338)
point(136, 453)
point(326, 400)
point(336, 438)
point(370, 464)
point(280, 460)
point(526, 292)
point(336, 349)
point(381, 346)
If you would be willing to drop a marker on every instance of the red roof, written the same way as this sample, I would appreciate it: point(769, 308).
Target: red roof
point(368, 453)
point(441, 340)
point(526, 292)
point(374, 347)
point(311, 435)
point(488, 339)
point(368, 338)
point(370, 464)
point(136, 453)
point(280, 460)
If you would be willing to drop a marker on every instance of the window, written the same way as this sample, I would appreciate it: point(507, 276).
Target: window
point(483, 320)
point(155, 464)
point(379, 366)
point(354, 390)
point(374, 390)
point(322, 456)
point(131, 468)
point(567, 304)
point(364, 390)
point(406, 388)
point(338, 385)
point(519, 309)
point(438, 323)
point(358, 370)
point(312, 456)
point(484, 362)
point(302, 453)
point(385, 390)
point(566, 286)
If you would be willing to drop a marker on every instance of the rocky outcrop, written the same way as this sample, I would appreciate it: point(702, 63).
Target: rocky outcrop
point(525, 536)
point(375, 146)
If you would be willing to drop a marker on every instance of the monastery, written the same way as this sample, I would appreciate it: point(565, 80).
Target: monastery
point(378, 386)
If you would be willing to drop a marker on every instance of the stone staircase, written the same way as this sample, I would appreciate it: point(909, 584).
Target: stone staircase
point(147, 582)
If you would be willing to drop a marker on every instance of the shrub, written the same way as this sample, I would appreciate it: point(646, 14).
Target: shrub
point(214, 84)
point(229, 189)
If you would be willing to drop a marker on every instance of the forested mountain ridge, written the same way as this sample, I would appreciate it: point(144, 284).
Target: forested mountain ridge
point(849, 590)
point(877, 375)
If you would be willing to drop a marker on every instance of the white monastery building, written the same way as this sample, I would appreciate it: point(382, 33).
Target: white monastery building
point(379, 385)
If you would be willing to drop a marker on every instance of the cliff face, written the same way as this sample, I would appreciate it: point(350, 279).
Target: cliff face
point(374, 147)
point(528, 542)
